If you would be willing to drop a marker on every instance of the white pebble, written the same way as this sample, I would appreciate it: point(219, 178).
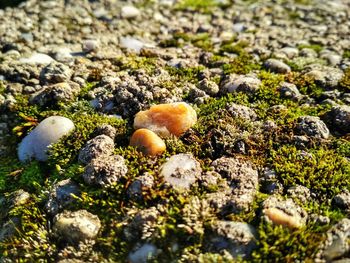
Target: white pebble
point(131, 43)
point(130, 11)
point(37, 58)
point(49, 131)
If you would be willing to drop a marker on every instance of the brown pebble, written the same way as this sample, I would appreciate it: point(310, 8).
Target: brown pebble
point(148, 142)
point(166, 119)
point(279, 217)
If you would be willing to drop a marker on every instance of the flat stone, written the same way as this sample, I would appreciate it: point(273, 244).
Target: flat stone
point(181, 171)
point(75, 227)
point(166, 119)
point(37, 58)
point(246, 84)
point(36, 143)
point(131, 43)
point(147, 142)
point(143, 254)
point(61, 195)
point(130, 11)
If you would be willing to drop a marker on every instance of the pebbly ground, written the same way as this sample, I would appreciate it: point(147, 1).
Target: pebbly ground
point(263, 176)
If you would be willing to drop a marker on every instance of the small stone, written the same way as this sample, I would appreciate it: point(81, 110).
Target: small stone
point(53, 94)
point(130, 11)
point(238, 238)
point(37, 142)
point(144, 254)
point(276, 66)
point(55, 72)
point(181, 171)
point(242, 112)
point(339, 118)
point(284, 212)
point(106, 129)
point(148, 142)
point(312, 126)
point(290, 52)
point(299, 192)
point(247, 84)
point(166, 119)
point(136, 188)
point(143, 225)
point(61, 195)
point(342, 200)
point(210, 87)
point(242, 179)
point(37, 58)
point(105, 170)
point(75, 227)
point(101, 145)
point(290, 91)
point(326, 77)
point(90, 45)
point(131, 43)
point(337, 242)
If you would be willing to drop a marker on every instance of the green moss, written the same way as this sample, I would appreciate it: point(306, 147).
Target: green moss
point(243, 64)
point(279, 244)
point(344, 83)
point(197, 5)
point(321, 170)
point(315, 47)
point(132, 63)
point(346, 54)
point(185, 74)
point(201, 40)
point(236, 48)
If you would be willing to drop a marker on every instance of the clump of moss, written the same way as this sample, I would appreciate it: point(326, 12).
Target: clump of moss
point(235, 48)
point(277, 243)
point(201, 40)
point(242, 64)
point(321, 170)
point(197, 5)
point(185, 74)
point(315, 47)
point(346, 54)
point(344, 83)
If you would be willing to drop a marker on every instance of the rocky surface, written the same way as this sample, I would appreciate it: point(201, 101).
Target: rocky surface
point(250, 100)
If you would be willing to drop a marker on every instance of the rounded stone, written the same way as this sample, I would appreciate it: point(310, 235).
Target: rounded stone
point(247, 84)
point(101, 145)
point(166, 119)
point(143, 254)
point(312, 126)
point(339, 118)
point(75, 227)
point(129, 11)
point(181, 171)
point(61, 195)
point(147, 142)
point(105, 170)
point(37, 142)
point(276, 66)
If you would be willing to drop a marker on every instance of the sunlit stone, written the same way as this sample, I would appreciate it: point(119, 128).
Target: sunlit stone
point(166, 119)
point(147, 142)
